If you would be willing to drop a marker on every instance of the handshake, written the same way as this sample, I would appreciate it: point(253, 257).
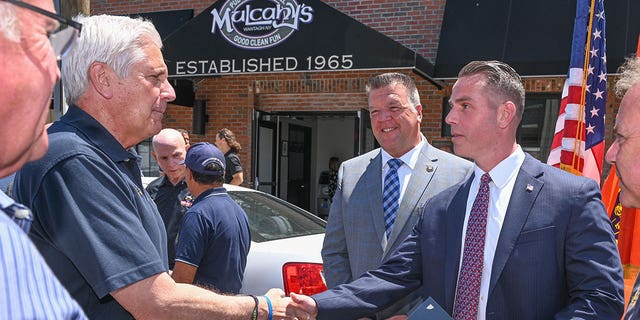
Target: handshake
point(295, 307)
point(279, 306)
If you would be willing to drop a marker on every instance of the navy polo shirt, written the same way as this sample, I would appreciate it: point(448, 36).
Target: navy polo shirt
point(95, 225)
point(170, 201)
point(215, 238)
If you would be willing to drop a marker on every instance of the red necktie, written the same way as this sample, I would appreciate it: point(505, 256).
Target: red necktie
point(468, 289)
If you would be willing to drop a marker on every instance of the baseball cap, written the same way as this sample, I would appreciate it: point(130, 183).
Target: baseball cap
point(202, 154)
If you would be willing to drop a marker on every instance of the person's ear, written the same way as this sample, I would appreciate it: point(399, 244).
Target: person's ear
point(506, 114)
point(419, 112)
point(101, 79)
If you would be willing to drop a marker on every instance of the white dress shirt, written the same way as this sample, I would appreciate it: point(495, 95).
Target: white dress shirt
point(503, 178)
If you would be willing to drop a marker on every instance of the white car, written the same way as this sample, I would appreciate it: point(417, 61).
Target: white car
point(285, 244)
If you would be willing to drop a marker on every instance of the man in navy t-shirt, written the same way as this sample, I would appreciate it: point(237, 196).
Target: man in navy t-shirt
point(214, 239)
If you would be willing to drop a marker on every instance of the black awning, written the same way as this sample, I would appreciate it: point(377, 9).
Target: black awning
point(254, 36)
point(166, 22)
point(534, 37)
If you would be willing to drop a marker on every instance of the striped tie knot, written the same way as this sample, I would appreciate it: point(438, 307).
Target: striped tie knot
point(394, 164)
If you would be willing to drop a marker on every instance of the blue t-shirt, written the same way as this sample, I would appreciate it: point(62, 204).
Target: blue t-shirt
point(94, 223)
point(215, 238)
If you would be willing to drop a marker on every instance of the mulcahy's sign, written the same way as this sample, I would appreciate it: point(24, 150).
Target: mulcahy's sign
point(257, 36)
point(258, 28)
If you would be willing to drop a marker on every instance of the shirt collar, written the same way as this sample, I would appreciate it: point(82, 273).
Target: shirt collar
point(208, 192)
point(165, 181)
point(5, 200)
point(505, 170)
point(410, 158)
point(95, 133)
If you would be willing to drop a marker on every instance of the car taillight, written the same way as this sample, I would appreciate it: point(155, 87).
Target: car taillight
point(304, 278)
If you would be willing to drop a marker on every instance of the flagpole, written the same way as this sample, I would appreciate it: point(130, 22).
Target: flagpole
point(578, 142)
point(580, 131)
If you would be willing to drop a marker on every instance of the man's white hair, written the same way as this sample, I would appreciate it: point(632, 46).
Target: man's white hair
point(9, 26)
point(114, 40)
point(629, 75)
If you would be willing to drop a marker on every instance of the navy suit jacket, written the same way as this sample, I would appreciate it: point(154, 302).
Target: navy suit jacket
point(556, 256)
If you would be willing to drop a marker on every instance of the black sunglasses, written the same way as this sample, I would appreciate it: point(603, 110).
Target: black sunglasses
point(63, 38)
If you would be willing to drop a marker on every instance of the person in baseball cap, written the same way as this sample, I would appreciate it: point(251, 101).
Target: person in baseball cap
point(205, 158)
point(214, 238)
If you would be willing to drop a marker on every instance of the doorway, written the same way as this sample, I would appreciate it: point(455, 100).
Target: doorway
point(298, 150)
point(264, 152)
point(291, 151)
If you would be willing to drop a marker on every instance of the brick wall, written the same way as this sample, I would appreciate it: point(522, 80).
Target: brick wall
point(415, 24)
point(137, 6)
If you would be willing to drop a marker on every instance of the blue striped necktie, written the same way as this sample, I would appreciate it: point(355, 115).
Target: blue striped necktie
point(391, 195)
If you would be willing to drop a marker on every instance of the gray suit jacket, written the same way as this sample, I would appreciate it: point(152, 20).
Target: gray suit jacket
point(355, 229)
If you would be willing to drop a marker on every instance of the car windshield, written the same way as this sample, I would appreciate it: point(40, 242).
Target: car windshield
point(271, 218)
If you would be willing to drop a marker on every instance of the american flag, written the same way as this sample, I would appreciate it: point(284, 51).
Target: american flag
point(578, 142)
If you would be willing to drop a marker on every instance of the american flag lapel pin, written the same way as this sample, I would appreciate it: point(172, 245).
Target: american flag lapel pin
point(529, 188)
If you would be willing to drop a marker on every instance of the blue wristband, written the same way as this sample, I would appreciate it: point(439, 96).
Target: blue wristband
point(270, 307)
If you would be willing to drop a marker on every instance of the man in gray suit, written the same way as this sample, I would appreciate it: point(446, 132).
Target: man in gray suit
point(358, 237)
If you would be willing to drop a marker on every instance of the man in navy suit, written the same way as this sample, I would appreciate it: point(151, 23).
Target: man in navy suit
point(625, 150)
point(548, 248)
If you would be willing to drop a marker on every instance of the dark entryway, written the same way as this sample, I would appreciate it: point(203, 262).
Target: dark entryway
point(299, 153)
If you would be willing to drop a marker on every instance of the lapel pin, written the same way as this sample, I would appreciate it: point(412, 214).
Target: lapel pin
point(529, 188)
point(22, 213)
point(429, 168)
